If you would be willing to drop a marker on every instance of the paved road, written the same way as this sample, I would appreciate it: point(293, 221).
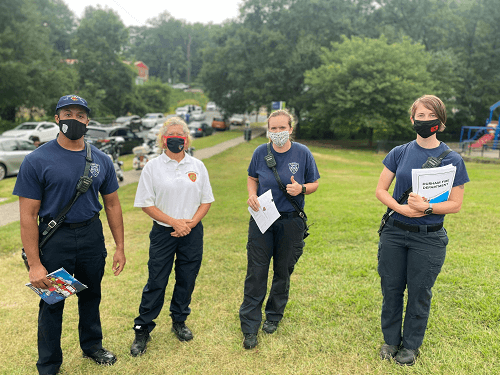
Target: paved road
point(10, 212)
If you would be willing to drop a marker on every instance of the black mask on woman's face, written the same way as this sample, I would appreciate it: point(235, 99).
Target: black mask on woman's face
point(73, 129)
point(426, 128)
point(175, 144)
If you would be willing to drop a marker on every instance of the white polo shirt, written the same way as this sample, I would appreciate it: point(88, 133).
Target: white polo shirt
point(176, 189)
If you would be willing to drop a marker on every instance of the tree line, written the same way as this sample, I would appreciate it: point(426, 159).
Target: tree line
point(348, 69)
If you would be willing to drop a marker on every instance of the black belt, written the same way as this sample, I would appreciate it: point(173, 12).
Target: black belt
point(415, 228)
point(288, 215)
point(73, 225)
point(162, 227)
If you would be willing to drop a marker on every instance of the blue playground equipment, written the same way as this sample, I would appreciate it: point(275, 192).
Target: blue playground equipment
point(477, 136)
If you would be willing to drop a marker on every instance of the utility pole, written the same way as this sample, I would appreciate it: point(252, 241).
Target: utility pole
point(189, 60)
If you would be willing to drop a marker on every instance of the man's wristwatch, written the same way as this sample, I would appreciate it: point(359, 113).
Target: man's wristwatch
point(428, 210)
point(303, 189)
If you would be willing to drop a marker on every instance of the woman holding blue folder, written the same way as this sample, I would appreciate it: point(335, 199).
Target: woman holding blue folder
point(412, 245)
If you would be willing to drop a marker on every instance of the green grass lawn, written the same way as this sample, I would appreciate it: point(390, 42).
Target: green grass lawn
point(332, 321)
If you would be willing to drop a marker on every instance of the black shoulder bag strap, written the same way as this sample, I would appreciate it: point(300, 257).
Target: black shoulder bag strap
point(81, 187)
point(431, 162)
point(271, 163)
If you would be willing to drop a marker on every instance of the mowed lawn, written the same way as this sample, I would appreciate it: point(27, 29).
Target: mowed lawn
point(331, 324)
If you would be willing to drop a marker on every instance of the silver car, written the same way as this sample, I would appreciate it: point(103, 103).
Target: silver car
point(12, 153)
point(44, 131)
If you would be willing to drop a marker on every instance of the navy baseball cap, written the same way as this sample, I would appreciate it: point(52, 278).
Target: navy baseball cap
point(72, 100)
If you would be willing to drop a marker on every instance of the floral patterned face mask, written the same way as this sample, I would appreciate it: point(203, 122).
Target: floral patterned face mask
point(280, 138)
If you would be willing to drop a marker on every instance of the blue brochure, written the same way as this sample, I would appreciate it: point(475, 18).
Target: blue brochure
point(63, 286)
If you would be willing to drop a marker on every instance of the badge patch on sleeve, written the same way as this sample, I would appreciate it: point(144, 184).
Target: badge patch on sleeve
point(94, 169)
point(294, 167)
point(192, 176)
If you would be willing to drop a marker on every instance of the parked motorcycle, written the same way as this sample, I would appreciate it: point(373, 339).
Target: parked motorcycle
point(147, 152)
point(112, 149)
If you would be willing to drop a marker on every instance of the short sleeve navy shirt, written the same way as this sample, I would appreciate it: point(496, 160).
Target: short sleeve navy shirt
point(298, 161)
point(402, 159)
point(50, 174)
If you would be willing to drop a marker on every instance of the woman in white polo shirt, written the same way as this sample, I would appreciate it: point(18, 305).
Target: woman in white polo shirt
point(174, 190)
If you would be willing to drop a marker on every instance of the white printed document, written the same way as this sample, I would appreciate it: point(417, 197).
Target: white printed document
point(267, 214)
point(433, 183)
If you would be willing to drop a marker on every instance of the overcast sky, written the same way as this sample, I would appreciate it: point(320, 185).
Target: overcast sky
point(136, 12)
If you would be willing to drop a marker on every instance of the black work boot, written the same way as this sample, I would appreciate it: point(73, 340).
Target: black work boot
point(270, 326)
point(182, 332)
point(406, 357)
point(388, 351)
point(250, 340)
point(141, 340)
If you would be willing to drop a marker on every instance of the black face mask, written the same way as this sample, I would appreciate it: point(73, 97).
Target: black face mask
point(73, 129)
point(175, 145)
point(426, 128)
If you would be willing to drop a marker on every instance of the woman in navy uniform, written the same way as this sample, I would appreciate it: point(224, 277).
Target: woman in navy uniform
point(412, 245)
point(283, 240)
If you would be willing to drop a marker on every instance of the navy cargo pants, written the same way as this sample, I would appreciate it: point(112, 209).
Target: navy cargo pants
point(283, 241)
point(163, 249)
point(408, 260)
point(82, 253)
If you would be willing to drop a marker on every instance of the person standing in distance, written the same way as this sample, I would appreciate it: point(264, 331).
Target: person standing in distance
point(412, 244)
point(45, 184)
point(174, 191)
point(284, 239)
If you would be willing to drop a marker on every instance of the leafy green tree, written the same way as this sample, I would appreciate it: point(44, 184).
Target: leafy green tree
point(251, 68)
point(61, 22)
point(171, 48)
point(31, 72)
point(152, 96)
point(98, 43)
point(366, 86)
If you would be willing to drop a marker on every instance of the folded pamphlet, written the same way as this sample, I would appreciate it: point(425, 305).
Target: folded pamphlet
point(63, 286)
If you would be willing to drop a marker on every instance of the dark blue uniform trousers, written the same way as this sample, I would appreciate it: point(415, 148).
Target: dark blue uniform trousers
point(408, 260)
point(283, 241)
point(163, 248)
point(82, 253)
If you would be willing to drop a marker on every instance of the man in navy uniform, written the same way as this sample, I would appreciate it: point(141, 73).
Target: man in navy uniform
point(46, 182)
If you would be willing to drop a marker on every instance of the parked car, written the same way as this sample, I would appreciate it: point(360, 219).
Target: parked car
point(219, 123)
point(94, 123)
point(153, 133)
point(151, 119)
point(43, 130)
point(133, 122)
point(200, 129)
point(12, 153)
point(237, 120)
point(99, 137)
point(180, 86)
point(181, 111)
point(197, 115)
point(211, 106)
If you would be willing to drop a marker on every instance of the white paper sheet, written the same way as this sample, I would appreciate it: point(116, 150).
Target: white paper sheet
point(267, 214)
point(433, 183)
